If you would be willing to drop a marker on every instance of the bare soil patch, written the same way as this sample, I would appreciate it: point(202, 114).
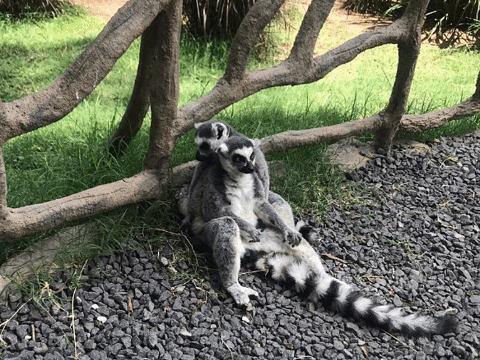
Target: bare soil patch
point(104, 8)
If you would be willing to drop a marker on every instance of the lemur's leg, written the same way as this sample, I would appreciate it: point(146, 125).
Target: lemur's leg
point(223, 235)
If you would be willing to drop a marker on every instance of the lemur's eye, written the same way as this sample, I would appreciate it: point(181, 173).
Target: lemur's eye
point(205, 146)
point(252, 157)
point(238, 159)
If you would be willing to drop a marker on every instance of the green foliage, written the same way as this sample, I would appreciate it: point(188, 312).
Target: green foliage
point(215, 18)
point(442, 15)
point(35, 9)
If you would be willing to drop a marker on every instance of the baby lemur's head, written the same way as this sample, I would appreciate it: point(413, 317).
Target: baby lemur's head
point(237, 155)
point(208, 136)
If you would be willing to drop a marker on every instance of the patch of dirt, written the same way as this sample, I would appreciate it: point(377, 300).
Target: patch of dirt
point(353, 22)
point(104, 8)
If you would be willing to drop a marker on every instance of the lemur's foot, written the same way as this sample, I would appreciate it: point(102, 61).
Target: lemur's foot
point(241, 294)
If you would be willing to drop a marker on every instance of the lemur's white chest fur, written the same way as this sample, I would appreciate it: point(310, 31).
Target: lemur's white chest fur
point(240, 192)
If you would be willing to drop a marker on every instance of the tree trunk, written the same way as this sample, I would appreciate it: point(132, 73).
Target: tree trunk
point(164, 87)
point(3, 175)
point(408, 51)
point(139, 102)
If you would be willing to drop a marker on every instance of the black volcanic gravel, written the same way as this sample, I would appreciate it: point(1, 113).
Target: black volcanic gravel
point(413, 242)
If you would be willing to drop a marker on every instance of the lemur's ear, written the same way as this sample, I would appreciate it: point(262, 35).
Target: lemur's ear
point(220, 131)
point(222, 149)
point(197, 125)
point(256, 143)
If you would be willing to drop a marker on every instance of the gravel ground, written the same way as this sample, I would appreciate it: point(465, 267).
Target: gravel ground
point(413, 242)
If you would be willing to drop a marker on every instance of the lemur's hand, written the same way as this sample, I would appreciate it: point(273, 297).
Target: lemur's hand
point(254, 235)
point(292, 236)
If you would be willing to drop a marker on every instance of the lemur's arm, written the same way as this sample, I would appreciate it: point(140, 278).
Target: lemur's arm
point(265, 211)
point(245, 226)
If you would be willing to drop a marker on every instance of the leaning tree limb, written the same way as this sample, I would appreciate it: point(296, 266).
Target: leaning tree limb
point(436, 119)
point(83, 75)
point(259, 16)
point(31, 219)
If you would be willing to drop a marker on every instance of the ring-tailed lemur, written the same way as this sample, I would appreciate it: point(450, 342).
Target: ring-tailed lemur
point(210, 134)
point(229, 190)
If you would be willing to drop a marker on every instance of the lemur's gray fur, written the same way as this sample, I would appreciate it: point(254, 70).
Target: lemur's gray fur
point(210, 134)
point(228, 200)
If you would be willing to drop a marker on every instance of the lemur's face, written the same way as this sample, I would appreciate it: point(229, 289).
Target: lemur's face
point(237, 155)
point(208, 137)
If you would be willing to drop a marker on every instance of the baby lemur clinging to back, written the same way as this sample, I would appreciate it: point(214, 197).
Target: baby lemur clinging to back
point(210, 134)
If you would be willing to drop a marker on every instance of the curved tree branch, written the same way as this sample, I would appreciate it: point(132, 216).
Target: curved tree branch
point(317, 13)
point(259, 16)
point(83, 75)
point(35, 218)
point(226, 93)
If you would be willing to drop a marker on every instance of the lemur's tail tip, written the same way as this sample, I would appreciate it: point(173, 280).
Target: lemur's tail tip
point(447, 325)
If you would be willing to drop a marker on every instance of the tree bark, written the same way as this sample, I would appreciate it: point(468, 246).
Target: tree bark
point(139, 102)
point(304, 45)
point(408, 51)
point(32, 219)
point(259, 16)
point(294, 71)
point(164, 87)
point(3, 175)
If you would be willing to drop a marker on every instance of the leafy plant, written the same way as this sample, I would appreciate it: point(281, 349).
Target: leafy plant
point(34, 8)
point(215, 18)
point(446, 20)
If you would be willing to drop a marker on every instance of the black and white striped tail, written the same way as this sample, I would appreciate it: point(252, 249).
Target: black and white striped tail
point(340, 297)
point(308, 232)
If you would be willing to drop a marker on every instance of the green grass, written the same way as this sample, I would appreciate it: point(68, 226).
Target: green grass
point(71, 155)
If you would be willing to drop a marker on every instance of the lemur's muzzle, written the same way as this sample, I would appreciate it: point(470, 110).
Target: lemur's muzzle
point(248, 168)
point(200, 157)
